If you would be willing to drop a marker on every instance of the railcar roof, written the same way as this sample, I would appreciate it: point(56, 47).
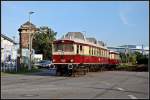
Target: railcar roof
point(82, 42)
point(78, 37)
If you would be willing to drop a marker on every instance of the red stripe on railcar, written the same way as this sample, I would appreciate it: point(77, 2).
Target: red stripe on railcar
point(79, 59)
point(113, 61)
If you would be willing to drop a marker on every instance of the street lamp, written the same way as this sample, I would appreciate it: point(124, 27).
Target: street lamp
point(29, 67)
point(84, 35)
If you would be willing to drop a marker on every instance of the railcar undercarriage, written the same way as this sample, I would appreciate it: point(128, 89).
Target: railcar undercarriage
point(80, 69)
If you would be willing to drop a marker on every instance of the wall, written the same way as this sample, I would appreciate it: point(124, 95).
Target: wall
point(7, 48)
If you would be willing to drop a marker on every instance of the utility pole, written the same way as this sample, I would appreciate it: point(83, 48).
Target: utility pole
point(126, 54)
point(142, 49)
point(30, 29)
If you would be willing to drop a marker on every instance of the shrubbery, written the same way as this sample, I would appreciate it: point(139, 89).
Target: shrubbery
point(134, 58)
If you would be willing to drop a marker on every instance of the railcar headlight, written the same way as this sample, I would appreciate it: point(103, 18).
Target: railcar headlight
point(99, 59)
point(71, 60)
point(53, 60)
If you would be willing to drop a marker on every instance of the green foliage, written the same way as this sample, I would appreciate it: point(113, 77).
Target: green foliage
point(123, 57)
point(134, 58)
point(141, 59)
point(42, 42)
point(126, 67)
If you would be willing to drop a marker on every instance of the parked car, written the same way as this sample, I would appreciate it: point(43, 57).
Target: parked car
point(43, 64)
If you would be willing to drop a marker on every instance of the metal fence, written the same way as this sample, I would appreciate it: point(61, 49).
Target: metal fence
point(9, 66)
point(9, 59)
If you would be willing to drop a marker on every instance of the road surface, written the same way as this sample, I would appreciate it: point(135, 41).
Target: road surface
point(94, 85)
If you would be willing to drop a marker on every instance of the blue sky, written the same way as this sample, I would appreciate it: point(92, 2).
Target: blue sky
point(116, 23)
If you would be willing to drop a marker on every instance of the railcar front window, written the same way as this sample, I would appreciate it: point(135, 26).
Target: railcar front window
point(58, 47)
point(63, 47)
point(68, 47)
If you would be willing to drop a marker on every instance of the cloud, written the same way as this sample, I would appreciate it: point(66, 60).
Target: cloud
point(123, 18)
point(125, 14)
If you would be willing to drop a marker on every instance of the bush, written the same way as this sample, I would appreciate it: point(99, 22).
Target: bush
point(141, 59)
point(122, 67)
point(126, 67)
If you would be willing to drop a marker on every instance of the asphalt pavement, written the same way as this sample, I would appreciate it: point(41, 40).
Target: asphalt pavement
point(94, 85)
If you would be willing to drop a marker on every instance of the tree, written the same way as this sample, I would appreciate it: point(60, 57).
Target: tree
point(129, 57)
point(132, 58)
point(42, 41)
point(123, 57)
point(141, 59)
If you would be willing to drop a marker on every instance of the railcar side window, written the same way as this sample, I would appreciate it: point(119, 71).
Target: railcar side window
point(80, 47)
point(89, 50)
point(95, 52)
point(104, 53)
point(77, 49)
point(92, 51)
point(99, 52)
point(68, 47)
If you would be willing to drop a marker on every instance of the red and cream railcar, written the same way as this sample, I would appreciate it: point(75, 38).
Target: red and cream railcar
point(74, 50)
point(114, 58)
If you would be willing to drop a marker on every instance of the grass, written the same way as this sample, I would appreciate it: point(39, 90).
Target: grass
point(4, 74)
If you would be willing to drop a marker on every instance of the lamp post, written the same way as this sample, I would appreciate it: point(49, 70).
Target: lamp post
point(84, 35)
point(30, 47)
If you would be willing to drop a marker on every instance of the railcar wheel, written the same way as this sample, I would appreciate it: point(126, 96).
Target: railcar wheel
point(70, 66)
point(70, 69)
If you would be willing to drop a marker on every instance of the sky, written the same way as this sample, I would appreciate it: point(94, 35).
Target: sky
point(114, 22)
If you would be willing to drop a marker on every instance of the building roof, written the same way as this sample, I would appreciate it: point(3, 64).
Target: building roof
point(128, 46)
point(116, 47)
point(28, 24)
point(131, 48)
point(7, 38)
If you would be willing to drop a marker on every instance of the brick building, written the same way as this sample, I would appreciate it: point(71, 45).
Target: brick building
point(24, 31)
